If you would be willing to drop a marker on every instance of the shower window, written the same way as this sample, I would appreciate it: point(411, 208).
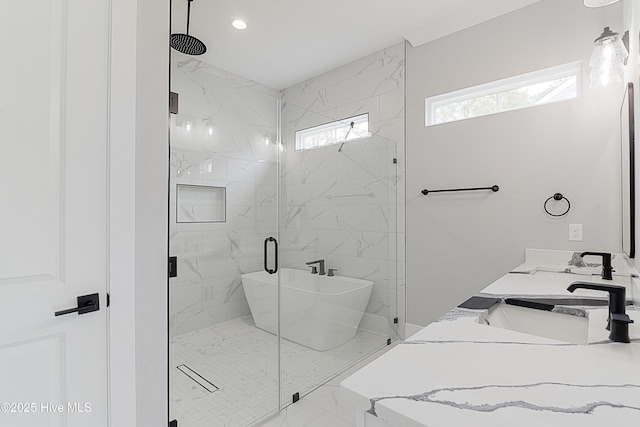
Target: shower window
point(333, 132)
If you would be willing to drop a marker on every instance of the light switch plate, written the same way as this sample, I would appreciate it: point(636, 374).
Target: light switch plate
point(575, 232)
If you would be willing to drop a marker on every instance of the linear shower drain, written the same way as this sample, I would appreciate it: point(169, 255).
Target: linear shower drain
point(199, 379)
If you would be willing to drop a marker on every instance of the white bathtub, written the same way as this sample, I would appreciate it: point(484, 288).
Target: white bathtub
point(317, 311)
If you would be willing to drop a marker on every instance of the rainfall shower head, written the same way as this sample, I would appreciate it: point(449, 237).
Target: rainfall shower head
point(184, 42)
point(187, 44)
point(346, 135)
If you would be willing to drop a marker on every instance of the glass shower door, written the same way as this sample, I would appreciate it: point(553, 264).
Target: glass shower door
point(338, 248)
point(223, 368)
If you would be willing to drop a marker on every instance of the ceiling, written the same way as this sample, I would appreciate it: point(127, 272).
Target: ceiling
point(289, 41)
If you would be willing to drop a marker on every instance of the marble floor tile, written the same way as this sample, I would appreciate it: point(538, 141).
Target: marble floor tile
point(227, 375)
point(334, 412)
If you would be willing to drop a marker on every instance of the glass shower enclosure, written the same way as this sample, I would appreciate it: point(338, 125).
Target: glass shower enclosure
point(252, 327)
point(337, 205)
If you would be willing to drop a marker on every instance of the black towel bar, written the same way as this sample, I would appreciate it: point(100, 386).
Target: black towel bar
point(493, 188)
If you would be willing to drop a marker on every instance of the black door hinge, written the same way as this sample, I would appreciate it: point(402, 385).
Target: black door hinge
point(395, 320)
point(395, 161)
point(295, 397)
point(173, 266)
point(173, 103)
point(108, 300)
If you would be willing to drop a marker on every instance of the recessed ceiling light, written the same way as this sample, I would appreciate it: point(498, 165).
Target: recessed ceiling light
point(239, 24)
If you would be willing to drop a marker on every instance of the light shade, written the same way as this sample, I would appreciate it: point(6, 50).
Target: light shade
point(607, 59)
point(599, 3)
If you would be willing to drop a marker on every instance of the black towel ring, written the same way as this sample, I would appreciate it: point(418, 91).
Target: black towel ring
point(557, 196)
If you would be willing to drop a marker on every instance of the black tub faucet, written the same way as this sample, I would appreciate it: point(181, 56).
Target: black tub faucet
point(606, 263)
point(320, 263)
point(618, 323)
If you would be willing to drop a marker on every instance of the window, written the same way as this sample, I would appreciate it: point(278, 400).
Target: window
point(333, 133)
point(527, 90)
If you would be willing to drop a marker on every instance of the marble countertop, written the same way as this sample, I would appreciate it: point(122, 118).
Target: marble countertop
point(459, 371)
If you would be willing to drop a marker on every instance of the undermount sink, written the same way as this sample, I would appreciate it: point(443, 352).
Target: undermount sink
point(558, 326)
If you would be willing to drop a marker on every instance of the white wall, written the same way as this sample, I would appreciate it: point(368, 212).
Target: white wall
point(361, 236)
point(138, 212)
point(224, 147)
point(459, 243)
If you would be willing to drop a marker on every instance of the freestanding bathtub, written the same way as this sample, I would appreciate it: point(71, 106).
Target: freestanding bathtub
point(320, 312)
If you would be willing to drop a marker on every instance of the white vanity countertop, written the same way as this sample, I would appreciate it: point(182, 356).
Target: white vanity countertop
point(459, 372)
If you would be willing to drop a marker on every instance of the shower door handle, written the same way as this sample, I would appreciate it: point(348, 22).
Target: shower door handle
point(275, 242)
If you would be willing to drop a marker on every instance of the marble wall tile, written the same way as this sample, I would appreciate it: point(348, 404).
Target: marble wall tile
point(391, 106)
point(267, 218)
point(363, 191)
point(371, 245)
point(391, 130)
point(343, 206)
point(265, 172)
point(211, 242)
point(310, 217)
point(379, 301)
point(240, 193)
point(374, 218)
point(193, 270)
point(229, 118)
point(267, 195)
point(367, 105)
point(261, 109)
point(310, 166)
point(382, 73)
point(338, 94)
point(240, 171)
point(375, 323)
point(186, 299)
point(188, 322)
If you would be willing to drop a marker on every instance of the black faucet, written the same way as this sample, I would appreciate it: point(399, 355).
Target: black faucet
point(618, 322)
point(321, 265)
point(606, 263)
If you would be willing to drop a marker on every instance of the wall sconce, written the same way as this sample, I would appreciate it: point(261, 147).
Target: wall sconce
point(599, 3)
point(607, 59)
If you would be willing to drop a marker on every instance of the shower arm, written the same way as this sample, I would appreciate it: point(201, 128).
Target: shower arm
point(188, 14)
point(349, 130)
point(346, 135)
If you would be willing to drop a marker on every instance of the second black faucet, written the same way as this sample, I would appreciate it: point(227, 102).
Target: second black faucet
point(607, 270)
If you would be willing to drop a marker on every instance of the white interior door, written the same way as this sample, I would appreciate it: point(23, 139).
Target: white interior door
point(53, 211)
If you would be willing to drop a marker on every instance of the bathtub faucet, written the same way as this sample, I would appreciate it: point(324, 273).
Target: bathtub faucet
point(314, 270)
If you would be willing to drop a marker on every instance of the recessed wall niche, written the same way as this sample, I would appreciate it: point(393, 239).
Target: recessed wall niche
point(200, 203)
